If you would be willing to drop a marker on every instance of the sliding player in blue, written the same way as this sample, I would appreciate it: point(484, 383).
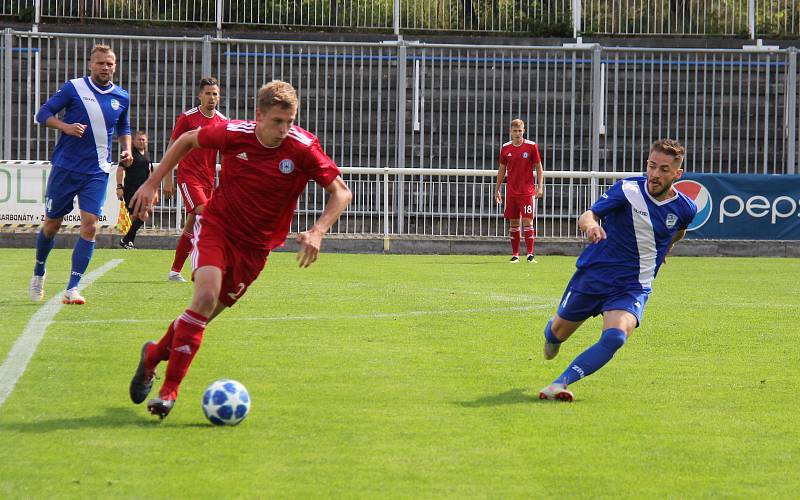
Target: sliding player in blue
point(642, 218)
point(94, 109)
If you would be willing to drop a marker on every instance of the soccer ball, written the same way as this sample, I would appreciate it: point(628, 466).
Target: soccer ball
point(226, 402)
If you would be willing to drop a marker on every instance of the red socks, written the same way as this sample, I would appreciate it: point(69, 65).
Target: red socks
point(182, 251)
point(187, 337)
point(529, 240)
point(160, 352)
point(515, 241)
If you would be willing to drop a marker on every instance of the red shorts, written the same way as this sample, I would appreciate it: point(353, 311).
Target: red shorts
point(240, 265)
point(519, 207)
point(194, 193)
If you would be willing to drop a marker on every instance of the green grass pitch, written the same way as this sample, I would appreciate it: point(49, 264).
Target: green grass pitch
point(384, 376)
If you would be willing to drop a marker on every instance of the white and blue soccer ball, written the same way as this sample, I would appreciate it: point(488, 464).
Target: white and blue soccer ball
point(226, 402)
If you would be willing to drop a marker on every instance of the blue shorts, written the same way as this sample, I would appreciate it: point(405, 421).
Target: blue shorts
point(577, 306)
point(63, 185)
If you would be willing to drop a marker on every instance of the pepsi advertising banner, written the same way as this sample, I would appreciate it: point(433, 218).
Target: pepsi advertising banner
point(743, 207)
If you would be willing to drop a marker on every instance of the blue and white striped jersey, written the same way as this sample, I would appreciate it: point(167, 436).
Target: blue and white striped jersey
point(102, 110)
point(639, 231)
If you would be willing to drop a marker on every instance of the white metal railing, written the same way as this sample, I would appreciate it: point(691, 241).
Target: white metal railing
point(750, 18)
point(393, 202)
point(406, 202)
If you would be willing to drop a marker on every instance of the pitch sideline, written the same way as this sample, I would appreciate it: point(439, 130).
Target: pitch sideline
point(23, 349)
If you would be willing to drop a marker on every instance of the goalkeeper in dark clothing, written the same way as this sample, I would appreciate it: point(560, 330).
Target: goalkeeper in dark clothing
point(128, 181)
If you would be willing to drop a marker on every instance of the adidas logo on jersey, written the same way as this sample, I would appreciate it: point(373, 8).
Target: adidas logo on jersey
point(242, 156)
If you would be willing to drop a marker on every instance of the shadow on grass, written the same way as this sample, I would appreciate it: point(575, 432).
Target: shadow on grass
point(140, 282)
point(472, 263)
point(205, 424)
point(113, 417)
point(512, 397)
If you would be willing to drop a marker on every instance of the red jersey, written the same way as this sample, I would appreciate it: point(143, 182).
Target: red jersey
point(520, 162)
point(259, 186)
point(199, 165)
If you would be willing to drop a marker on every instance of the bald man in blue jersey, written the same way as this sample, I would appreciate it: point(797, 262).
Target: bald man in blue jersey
point(642, 218)
point(94, 109)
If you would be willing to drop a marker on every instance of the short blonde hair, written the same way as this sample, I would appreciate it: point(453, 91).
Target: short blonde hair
point(276, 93)
point(516, 122)
point(670, 147)
point(102, 48)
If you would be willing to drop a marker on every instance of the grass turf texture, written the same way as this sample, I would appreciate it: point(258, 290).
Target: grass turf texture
point(409, 376)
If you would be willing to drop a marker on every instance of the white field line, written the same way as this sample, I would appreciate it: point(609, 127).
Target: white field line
point(322, 317)
point(23, 349)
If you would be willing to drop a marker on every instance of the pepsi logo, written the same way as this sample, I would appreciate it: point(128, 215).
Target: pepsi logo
point(701, 197)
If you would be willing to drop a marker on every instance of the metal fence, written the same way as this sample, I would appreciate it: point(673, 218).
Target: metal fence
point(443, 106)
point(554, 17)
point(429, 119)
point(396, 203)
point(692, 17)
point(451, 203)
point(735, 110)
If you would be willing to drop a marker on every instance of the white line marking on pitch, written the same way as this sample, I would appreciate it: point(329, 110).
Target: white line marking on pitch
point(325, 317)
point(21, 353)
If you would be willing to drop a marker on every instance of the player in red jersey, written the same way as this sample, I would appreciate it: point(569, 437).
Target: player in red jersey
point(267, 164)
point(197, 172)
point(518, 159)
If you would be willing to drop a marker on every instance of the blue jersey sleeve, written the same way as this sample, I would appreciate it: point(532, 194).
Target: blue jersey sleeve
point(609, 201)
point(55, 104)
point(689, 213)
point(123, 126)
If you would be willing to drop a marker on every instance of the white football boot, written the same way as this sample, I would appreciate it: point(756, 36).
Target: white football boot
point(36, 289)
point(173, 276)
point(556, 392)
point(72, 296)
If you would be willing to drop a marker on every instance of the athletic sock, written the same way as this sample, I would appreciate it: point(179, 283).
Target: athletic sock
point(188, 336)
point(515, 241)
point(182, 251)
point(131, 235)
point(529, 239)
point(593, 358)
point(43, 247)
point(81, 255)
point(160, 352)
point(548, 333)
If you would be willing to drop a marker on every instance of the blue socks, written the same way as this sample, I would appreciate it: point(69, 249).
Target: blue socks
point(43, 247)
point(593, 358)
point(548, 333)
point(81, 255)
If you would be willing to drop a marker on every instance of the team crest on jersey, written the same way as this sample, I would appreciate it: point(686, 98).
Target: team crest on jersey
point(286, 166)
point(672, 219)
point(525, 154)
point(114, 104)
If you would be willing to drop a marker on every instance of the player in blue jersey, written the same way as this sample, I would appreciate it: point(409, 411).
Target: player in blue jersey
point(642, 218)
point(94, 108)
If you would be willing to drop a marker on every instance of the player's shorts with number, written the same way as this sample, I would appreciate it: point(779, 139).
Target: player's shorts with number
point(519, 207)
point(240, 264)
point(63, 185)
